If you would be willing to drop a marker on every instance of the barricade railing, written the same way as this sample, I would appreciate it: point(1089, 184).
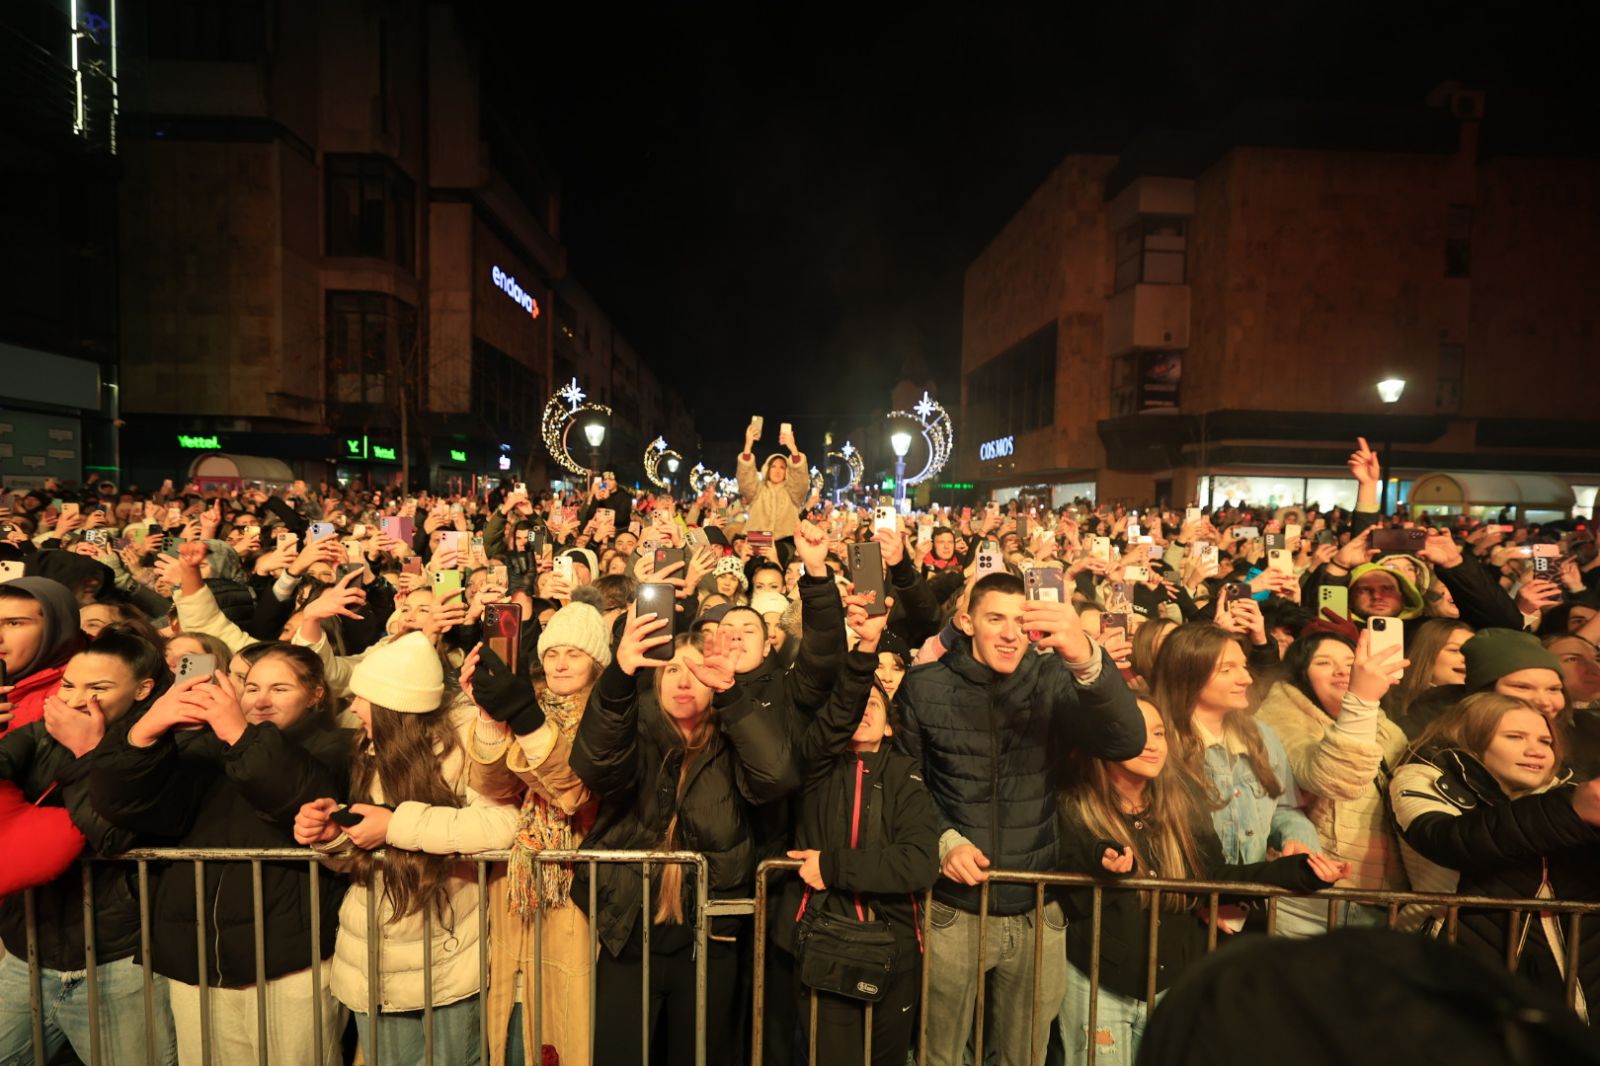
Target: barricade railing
point(169, 858)
point(1447, 908)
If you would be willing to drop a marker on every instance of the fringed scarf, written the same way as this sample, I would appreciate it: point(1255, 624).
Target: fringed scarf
point(545, 827)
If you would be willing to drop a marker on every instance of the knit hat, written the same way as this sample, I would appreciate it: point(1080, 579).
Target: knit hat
point(587, 558)
point(403, 675)
point(768, 602)
point(1494, 653)
point(1410, 597)
point(732, 564)
point(577, 625)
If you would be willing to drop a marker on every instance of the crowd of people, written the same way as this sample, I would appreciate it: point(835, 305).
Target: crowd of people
point(896, 702)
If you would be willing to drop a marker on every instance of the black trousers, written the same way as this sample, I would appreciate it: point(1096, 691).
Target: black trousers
point(622, 1033)
point(841, 1024)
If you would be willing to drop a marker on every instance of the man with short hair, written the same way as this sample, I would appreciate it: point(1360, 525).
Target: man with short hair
point(992, 723)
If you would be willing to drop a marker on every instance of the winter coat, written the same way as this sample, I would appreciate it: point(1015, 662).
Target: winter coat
point(58, 642)
point(1345, 781)
point(870, 817)
point(233, 600)
point(1125, 923)
point(635, 763)
point(199, 613)
point(993, 748)
point(480, 824)
point(197, 792)
point(773, 507)
point(1463, 834)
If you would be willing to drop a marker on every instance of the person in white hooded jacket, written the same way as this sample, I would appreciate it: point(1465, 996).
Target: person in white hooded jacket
point(410, 785)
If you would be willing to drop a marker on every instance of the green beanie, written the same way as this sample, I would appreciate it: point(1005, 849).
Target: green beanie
point(1493, 653)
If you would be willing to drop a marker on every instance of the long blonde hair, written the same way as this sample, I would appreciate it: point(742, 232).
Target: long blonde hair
point(1470, 726)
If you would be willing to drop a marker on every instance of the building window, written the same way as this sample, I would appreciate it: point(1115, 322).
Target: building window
point(372, 341)
point(1145, 381)
point(204, 30)
point(1152, 250)
point(1016, 391)
point(371, 209)
point(506, 395)
point(1458, 242)
point(1452, 365)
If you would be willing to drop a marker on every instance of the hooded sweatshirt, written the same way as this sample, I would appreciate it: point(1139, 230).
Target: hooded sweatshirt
point(39, 677)
point(1410, 597)
point(773, 506)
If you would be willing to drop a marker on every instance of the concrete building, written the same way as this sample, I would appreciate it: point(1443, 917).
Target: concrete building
point(344, 251)
point(1206, 316)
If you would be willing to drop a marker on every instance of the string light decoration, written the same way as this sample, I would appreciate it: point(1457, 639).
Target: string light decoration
point(561, 413)
point(852, 462)
point(934, 423)
point(816, 482)
point(657, 455)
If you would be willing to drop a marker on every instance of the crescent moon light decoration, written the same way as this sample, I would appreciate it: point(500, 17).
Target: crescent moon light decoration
point(934, 422)
point(654, 456)
point(561, 413)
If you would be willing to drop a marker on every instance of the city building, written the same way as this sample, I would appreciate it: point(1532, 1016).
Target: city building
point(342, 251)
point(1208, 315)
point(58, 226)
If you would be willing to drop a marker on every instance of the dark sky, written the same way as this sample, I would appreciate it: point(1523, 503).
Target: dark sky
point(778, 215)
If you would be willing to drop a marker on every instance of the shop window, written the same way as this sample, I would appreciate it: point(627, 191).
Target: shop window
point(1152, 250)
point(371, 209)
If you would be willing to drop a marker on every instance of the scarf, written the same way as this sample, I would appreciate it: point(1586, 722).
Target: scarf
point(543, 826)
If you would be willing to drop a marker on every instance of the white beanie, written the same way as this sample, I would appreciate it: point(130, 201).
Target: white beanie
point(768, 602)
point(403, 675)
point(577, 625)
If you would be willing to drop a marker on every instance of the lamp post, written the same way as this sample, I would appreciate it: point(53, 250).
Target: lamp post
point(900, 441)
point(672, 475)
point(595, 434)
point(1389, 391)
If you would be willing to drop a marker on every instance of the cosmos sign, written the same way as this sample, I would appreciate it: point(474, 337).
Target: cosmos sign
point(519, 296)
point(998, 448)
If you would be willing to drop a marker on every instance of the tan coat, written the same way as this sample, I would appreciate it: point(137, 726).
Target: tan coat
point(509, 767)
point(772, 506)
point(1346, 783)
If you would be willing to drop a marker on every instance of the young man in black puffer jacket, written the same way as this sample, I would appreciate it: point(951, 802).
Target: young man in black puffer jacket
point(990, 723)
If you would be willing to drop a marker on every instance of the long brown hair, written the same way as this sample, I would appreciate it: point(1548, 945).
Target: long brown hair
point(1427, 641)
point(669, 890)
point(1146, 645)
point(1188, 658)
point(406, 754)
point(1170, 811)
point(1470, 726)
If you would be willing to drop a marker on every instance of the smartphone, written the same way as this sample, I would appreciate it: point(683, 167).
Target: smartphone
point(69, 510)
point(924, 535)
point(477, 542)
point(1136, 574)
point(1274, 541)
point(665, 557)
point(1247, 532)
point(866, 570)
point(10, 570)
point(786, 429)
point(1045, 584)
point(499, 576)
point(1546, 551)
point(561, 567)
point(989, 561)
point(453, 539)
point(520, 486)
point(1208, 553)
point(318, 530)
point(401, 528)
point(1281, 560)
point(538, 541)
point(413, 565)
point(1191, 514)
point(1134, 532)
point(1100, 548)
point(1544, 567)
point(446, 583)
point(287, 539)
point(1385, 633)
point(1114, 621)
point(1406, 541)
point(1335, 598)
point(760, 539)
point(352, 549)
point(1291, 533)
point(1234, 590)
point(344, 817)
point(502, 628)
point(358, 531)
point(98, 537)
point(346, 569)
point(660, 599)
point(884, 518)
point(758, 423)
point(1325, 536)
point(196, 664)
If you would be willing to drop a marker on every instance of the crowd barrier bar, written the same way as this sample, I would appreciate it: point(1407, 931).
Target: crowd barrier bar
point(1523, 910)
point(704, 909)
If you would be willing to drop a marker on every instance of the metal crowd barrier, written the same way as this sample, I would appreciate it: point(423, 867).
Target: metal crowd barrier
point(705, 909)
point(1212, 891)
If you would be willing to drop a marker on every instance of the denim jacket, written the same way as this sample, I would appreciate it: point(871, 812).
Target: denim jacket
point(1251, 821)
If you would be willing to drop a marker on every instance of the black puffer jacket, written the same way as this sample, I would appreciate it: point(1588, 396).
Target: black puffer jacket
point(992, 747)
point(43, 767)
point(1454, 814)
point(870, 817)
point(196, 791)
point(635, 763)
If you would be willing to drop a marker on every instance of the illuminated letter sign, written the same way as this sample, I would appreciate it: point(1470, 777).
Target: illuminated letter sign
point(520, 296)
point(198, 443)
point(996, 449)
point(380, 452)
point(457, 455)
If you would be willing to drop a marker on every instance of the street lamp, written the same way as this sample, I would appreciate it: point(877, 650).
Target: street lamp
point(900, 441)
point(1389, 391)
point(672, 470)
point(595, 433)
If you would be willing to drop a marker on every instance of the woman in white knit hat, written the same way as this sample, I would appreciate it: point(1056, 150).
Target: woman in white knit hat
point(520, 750)
point(410, 784)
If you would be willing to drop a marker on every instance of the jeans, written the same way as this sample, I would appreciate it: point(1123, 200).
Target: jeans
point(65, 997)
point(1118, 1024)
point(1300, 918)
point(1013, 1023)
point(235, 1033)
point(401, 1039)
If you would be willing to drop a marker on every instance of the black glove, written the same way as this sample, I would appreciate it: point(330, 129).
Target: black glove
point(507, 697)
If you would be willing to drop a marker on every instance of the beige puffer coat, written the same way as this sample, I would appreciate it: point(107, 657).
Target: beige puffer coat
point(772, 506)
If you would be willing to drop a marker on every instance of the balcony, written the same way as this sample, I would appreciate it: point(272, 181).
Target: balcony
point(1147, 316)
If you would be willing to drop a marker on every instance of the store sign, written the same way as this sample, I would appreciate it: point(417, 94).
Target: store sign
point(199, 444)
point(997, 449)
point(355, 447)
point(380, 452)
point(520, 296)
point(457, 455)
point(955, 484)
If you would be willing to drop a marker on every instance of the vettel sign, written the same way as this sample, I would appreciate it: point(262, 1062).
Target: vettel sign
point(520, 296)
point(997, 449)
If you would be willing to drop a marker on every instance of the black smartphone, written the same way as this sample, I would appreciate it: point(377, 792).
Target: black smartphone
point(502, 628)
point(866, 570)
point(1325, 536)
point(1275, 540)
point(1406, 541)
point(1235, 590)
point(1045, 584)
point(660, 599)
point(344, 817)
point(1022, 526)
point(665, 557)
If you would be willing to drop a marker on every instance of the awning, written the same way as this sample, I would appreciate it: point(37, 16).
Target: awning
point(1540, 492)
point(220, 466)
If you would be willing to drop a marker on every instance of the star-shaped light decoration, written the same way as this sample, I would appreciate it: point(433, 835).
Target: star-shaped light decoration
point(848, 450)
point(659, 444)
point(815, 471)
point(925, 407)
point(572, 394)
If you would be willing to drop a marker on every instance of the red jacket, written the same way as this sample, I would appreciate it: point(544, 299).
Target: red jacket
point(40, 843)
point(27, 699)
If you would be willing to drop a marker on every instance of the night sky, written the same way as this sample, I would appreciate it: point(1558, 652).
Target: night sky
point(778, 215)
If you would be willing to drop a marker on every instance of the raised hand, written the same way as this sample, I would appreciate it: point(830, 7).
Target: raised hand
point(715, 669)
point(1363, 463)
point(1372, 676)
point(642, 633)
